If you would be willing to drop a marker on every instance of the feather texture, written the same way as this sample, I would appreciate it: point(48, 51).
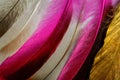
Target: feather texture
point(77, 10)
point(57, 56)
point(62, 49)
point(91, 19)
point(32, 55)
point(24, 35)
point(108, 16)
point(13, 24)
point(107, 61)
point(5, 8)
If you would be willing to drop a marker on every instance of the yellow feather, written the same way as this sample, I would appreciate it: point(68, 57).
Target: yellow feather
point(107, 61)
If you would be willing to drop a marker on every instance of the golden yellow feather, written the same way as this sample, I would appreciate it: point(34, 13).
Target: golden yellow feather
point(107, 61)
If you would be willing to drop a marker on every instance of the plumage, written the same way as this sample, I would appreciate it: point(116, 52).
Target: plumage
point(109, 14)
point(77, 8)
point(32, 55)
point(24, 34)
point(91, 19)
point(5, 8)
point(14, 22)
point(107, 61)
point(58, 55)
point(58, 39)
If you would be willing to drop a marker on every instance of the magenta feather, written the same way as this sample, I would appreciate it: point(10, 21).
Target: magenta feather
point(92, 15)
point(33, 54)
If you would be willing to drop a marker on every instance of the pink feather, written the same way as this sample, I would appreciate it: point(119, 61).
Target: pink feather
point(92, 15)
point(33, 54)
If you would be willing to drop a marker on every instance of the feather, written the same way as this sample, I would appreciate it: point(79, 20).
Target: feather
point(24, 35)
point(99, 41)
point(32, 55)
point(57, 56)
point(107, 61)
point(6, 7)
point(91, 19)
point(97, 44)
point(61, 50)
point(77, 10)
point(115, 2)
point(14, 22)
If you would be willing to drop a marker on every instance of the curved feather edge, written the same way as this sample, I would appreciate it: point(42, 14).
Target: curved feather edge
point(107, 60)
point(91, 17)
point(33, 54)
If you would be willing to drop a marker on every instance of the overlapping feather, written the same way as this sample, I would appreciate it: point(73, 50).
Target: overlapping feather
point(99, 41)
point(90, 18)
point(5, 7)
point(62, 49)
point(77, 10)
point(27, 30)
point(14, 22)
point(32, 55)
point(107, 61)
